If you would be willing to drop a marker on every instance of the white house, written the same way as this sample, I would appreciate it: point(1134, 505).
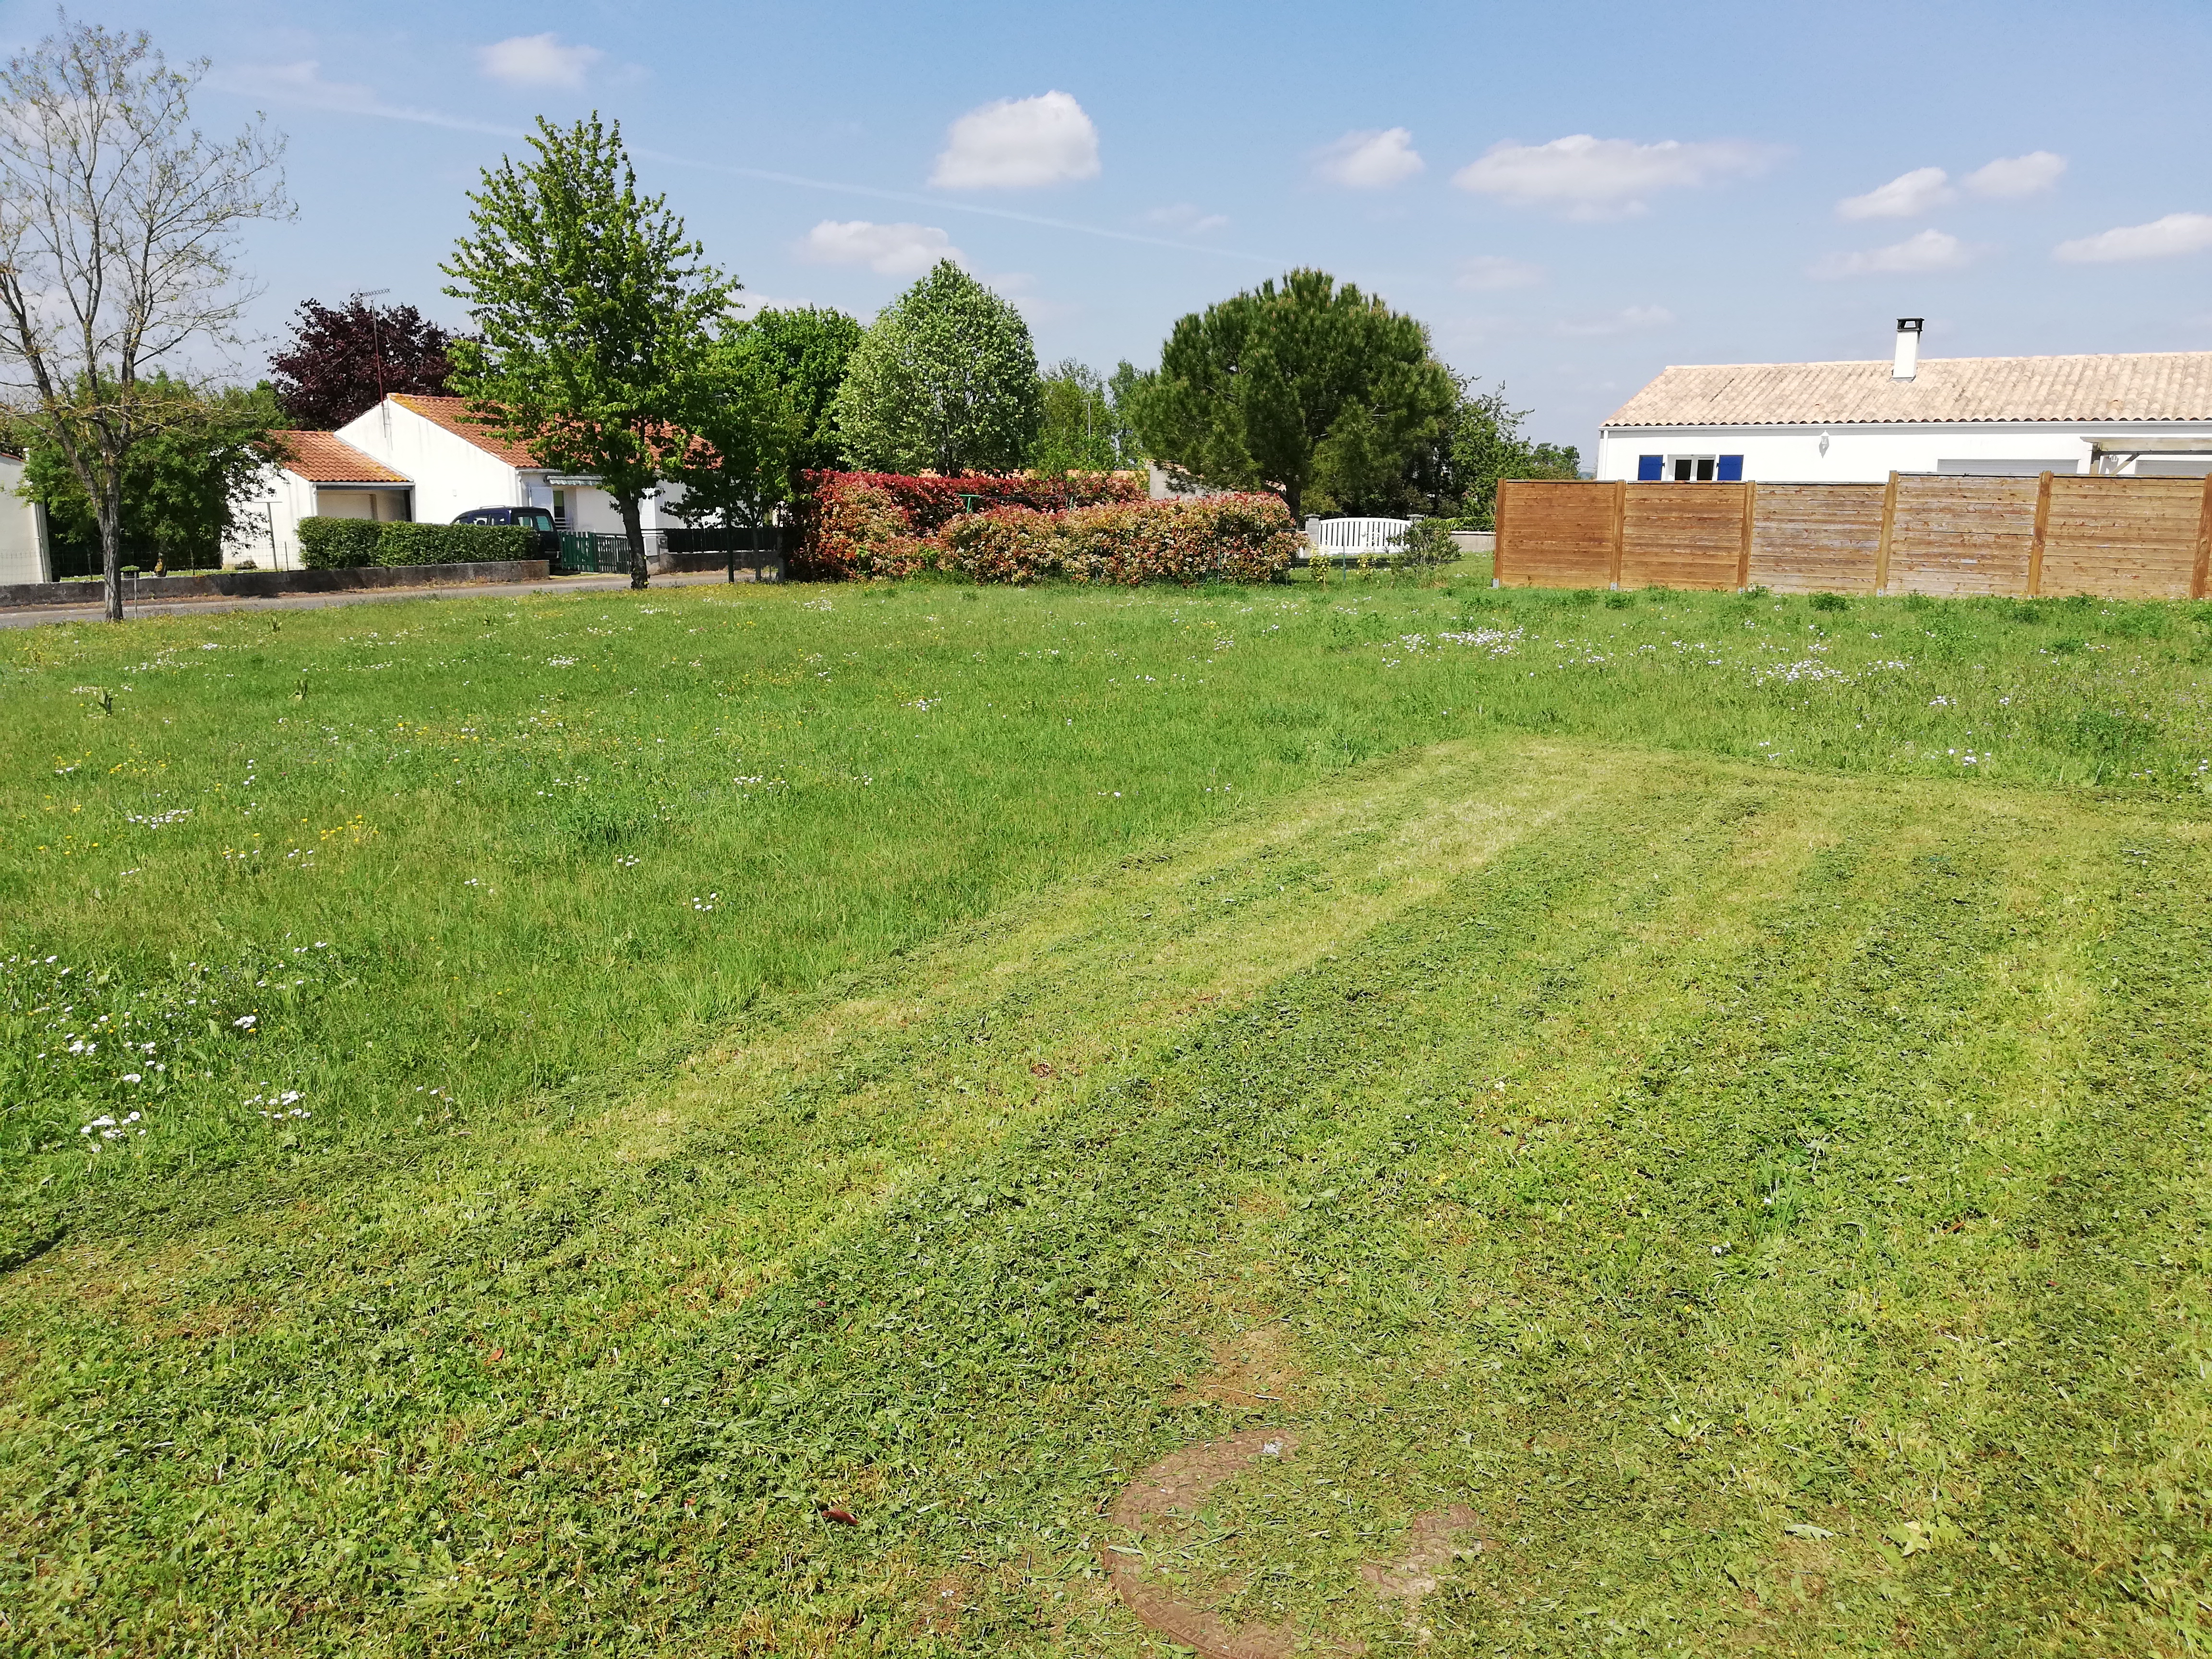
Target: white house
point(456, 464)
point(2144, 413)
point(26, 556)
point(318, 475)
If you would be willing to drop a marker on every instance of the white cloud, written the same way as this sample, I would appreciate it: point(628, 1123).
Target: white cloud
point(1369, 159)
point(887, 250)
point(536, 60)
point(2161, 238)
point(1634, 320)
point(1928, 251)
point(1485, 273)
point(2010, 176)
point(1908, 196)
point(1188, 218)
point(1588, 178)
point(1018, 143)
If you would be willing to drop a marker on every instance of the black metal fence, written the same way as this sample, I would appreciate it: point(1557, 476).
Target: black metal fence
point(588, 552)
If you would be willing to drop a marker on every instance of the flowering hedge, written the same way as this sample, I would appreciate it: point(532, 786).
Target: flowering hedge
point(1092, 530)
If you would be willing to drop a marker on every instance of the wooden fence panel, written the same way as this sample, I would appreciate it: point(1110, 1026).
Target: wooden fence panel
point(1682, 536)
point(1554, 534)
point(1815, 538)
point(2121, 538)
point(1958, 535)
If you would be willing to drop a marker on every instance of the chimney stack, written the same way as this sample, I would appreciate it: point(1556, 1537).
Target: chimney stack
point(1908, 348)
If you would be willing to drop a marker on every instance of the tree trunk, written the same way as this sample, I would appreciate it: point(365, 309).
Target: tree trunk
point(108, 513)
point(634, 528)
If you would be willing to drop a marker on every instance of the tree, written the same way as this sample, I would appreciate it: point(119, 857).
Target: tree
point(1267, 388)
point(593, 307)
point(343, 360)
point(807, 348)
point(1076, 431)
point(119, 223)
point(1125, 389)
point(946, 380)
point(1485, 445)
point(748, 425)
point(183, 484)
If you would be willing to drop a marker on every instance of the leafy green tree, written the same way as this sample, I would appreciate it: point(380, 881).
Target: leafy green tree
point(183, 484)
point(945, 381)
point(1484, 445)
point(1078, 430)
point(1125, 389)
point(1289, 385)
point(593, 309)
point(808, 348)
point(748, 425)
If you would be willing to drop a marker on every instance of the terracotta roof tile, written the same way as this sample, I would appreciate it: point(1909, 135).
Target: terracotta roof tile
point(452, 414)
point(2148, 385)
point(325, 458)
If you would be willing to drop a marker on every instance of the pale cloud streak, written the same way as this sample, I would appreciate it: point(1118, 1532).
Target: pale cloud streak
point(1927, 253)
point(1908, 196)
point(1488, 273)
point(302, 84)
point(2010, 177)
point(538, 60)
point(1369, 159)
point(1018, 143)
point(2161, 238)
point(1188, 218)
point(1631, 319)
point(1584, 177)
point(887, 250)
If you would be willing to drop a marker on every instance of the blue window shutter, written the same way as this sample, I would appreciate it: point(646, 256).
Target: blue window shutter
point(1650, 468)
point(1730, 470)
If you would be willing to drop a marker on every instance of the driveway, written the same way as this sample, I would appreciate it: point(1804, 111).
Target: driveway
point(32, 615)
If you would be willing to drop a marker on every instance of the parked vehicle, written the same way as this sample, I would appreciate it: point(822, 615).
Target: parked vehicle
point(530, 518)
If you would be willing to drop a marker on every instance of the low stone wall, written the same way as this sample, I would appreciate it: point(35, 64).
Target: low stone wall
point(269, 584)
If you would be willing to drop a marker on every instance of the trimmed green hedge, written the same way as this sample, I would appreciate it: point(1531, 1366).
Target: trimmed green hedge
point(349, 544)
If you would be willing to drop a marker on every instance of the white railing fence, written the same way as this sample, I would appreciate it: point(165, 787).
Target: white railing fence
point(1346, 539)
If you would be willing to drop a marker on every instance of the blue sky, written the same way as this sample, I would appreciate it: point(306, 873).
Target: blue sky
point(1571, 198)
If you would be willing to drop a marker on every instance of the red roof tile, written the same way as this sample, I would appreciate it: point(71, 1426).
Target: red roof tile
point(452, 414)
point(325, 458)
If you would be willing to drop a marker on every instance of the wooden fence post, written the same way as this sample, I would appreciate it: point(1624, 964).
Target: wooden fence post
point(1619, 531)
point(1743, 549)
point(2042, 526)
point(1497, 535)
point(1881, 547)
point(2203, 573)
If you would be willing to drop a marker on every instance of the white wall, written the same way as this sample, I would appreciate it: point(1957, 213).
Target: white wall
point(267, 530)
point(24, 554)
point(451, 474)
point(594, 509)
point(1869, 453)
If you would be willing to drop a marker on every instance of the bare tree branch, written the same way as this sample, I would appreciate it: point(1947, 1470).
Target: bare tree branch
point(120, 226)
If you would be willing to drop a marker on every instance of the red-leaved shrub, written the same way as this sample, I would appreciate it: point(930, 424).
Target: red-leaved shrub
point(1093, 529)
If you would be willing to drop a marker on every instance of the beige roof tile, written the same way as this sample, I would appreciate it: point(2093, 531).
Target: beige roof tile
point(325, 458)
point(2148, 386)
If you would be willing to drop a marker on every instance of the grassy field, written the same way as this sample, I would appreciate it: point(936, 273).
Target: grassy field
point(512, 1107)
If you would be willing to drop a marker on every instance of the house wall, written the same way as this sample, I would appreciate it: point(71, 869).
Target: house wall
point(267, 528)
point(24, 553)
point(594, 510)
point(1868, 454)
point(451, 474)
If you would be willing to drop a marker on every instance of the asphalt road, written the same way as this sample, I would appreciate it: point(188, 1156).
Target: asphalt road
point(33, 616)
